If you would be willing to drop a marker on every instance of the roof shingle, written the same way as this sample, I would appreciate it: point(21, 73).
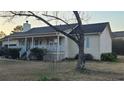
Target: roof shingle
point(88, 28)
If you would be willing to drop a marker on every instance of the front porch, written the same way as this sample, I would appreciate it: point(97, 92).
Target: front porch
point(53, 44)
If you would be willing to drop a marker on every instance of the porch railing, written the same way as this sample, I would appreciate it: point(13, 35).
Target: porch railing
point(50, 47)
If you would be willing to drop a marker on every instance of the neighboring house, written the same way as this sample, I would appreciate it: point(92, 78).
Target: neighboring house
point(97, 40)
point(118, 42)
point(118, 35)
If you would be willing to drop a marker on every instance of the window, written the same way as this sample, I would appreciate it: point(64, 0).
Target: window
point(36, 42)
point(87, 42)
point(40, 42)
point(12, 45)
point(6, 46)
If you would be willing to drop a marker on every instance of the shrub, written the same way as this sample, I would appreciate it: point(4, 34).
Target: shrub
point(87, 57)
point(109, 57)
point(76, 57)
point(2, 51)
point(38, 53)
point(14, 52)
point(10, 52)
point(6, 52)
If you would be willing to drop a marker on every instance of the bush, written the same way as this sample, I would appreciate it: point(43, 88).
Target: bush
point(14, 52)
point(2, 51)
point(76, 57)
point(87, 57)
point(10, 52)
point(6, 52)
point(109, 57)
point(38, 53)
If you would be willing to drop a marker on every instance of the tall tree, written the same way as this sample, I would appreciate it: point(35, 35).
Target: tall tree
point(76, 33)
point(2, 34)
point(17, 28)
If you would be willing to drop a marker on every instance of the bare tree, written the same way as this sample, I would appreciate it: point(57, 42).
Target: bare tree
point(76, 34)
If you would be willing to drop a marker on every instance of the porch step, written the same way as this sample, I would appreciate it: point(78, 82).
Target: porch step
point(23, 56)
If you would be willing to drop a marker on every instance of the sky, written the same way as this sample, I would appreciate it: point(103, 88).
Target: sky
point(116, 19)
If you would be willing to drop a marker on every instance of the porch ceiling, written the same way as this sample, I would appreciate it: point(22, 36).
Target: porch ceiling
point(34, 35)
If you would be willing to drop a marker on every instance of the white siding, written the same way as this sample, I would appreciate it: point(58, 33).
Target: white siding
point(71, 48)
point(98, 44)
point(94, 46)
point(105, 41)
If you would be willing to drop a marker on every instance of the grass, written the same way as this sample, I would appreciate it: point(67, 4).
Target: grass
point(18, 70)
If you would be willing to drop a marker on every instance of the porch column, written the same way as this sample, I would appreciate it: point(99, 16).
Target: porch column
point(32, 42)
point(25, 43)
point(66, 47)
point(58, 48)
point(8, 41)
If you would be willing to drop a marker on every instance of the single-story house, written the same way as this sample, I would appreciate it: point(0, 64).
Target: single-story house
point(97, 40)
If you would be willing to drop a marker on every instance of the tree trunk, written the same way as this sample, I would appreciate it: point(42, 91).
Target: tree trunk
point(81, 56)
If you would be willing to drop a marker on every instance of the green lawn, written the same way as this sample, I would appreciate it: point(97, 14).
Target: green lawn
point(32, 70)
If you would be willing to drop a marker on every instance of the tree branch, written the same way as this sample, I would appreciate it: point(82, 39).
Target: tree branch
point(77, 17)
point(20, 14)
point(46, 22)
point(56, 18)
